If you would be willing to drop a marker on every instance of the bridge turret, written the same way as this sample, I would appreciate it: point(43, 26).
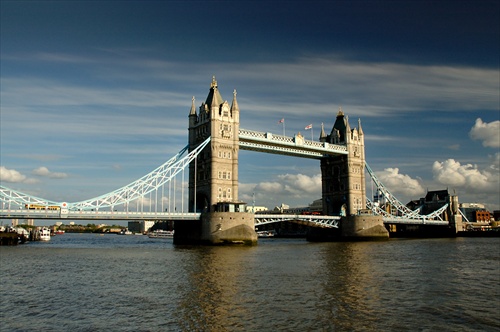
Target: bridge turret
point(192, 111)
point(322, 135)
point(343, 176)
point(213, 176)
point(216, 176)
point(235, 109)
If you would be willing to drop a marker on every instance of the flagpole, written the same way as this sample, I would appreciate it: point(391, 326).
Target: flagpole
point(282, 121)
point(312, 131)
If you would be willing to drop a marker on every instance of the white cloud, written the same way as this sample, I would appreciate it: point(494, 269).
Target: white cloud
point(467, 177)
point(496, 162)
point(13, 176)
point(300, 184)
point(291, 189)
point(489, 133)
point(44, 171)
point(294, 185)
point(398, 183)
point(268, 187)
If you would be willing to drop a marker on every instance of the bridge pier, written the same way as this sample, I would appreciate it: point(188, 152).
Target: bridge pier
point(217, 228)
point(361, 227)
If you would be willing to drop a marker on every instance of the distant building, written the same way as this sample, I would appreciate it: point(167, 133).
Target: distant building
point(432, 201)
point(413, 204)
point(475, 212)
point(281, 208)
point(142, 226)
point(483, 216)
point(316, 206)
point(256, 209)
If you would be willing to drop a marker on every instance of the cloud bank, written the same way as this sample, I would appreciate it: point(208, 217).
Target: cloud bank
point(467, 177)
point(44, 171)
point(398, 183)
point(489, 133)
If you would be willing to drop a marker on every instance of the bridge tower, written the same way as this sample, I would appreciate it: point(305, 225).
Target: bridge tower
point(213, 176)
point(343, 176)
point(343, 183)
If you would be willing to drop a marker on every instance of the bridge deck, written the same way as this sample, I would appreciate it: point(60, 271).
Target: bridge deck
point(292, 146)
point(260, 219)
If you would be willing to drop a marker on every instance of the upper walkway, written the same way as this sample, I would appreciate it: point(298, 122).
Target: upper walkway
point(296, 146)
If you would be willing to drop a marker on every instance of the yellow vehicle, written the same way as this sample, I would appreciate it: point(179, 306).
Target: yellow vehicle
point(41, 207)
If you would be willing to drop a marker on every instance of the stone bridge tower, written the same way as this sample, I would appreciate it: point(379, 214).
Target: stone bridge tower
point(344, 187)
point(343, 176)
point(213, 178)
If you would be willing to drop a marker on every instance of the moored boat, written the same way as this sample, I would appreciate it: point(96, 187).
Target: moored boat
point(265, 233)
point(45, 234)
point(161, 234)
point(125, 232)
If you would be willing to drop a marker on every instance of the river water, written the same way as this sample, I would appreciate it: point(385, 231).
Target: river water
point(90, 282)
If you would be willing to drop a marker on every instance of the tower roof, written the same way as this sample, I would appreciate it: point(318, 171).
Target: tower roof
point(359, 127)
point(193, 109)
point(214, 98)
point(234, 104)
point(322, 135)
point(340, 124)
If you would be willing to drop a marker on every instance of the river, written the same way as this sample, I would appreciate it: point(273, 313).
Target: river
point(93, 282)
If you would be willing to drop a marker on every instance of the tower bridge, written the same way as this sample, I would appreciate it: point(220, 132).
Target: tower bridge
point(213, 212)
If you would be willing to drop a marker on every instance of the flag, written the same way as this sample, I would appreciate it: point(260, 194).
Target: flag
point(281, 121)
point(308, 127)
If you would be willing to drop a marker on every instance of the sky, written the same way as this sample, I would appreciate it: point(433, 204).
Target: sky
point(96, 94)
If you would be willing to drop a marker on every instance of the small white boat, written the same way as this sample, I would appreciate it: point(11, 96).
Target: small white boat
point(265, 234)
point(161, 234)
point(45, 234)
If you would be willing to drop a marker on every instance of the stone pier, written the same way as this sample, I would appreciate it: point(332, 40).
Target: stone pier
point(363, 227)
point(217, 228)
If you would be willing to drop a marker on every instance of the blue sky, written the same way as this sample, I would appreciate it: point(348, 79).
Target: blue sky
point(96, 94)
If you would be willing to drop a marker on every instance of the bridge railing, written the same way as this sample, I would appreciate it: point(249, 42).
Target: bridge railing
point(95, 215)
point(316, 220)
point(30, 214)
point(297, 141)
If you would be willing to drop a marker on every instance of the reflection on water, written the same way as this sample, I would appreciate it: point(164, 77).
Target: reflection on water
point(86, 282)
point(217, 293)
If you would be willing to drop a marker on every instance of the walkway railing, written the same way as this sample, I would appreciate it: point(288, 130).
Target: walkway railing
point(292, 146)
point(311, 220)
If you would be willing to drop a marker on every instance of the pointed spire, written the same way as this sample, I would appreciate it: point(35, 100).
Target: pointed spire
point(360, 130)
point(348, 133)
point(193, 109)
point(214, 99)
point(322, 135)
point(234, 103)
